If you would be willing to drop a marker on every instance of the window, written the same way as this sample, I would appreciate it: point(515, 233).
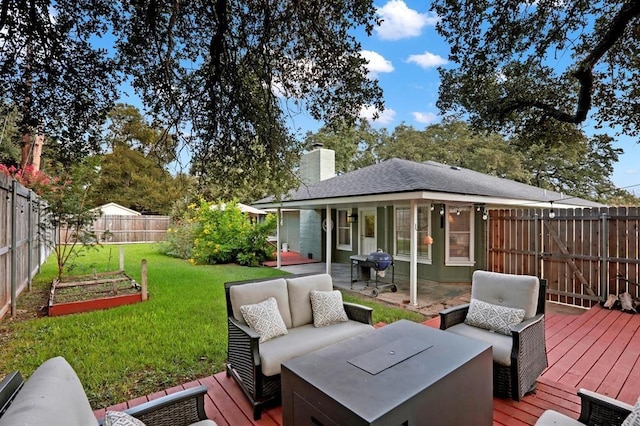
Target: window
point(344, 230)
point(403, 231)
point(459, 239)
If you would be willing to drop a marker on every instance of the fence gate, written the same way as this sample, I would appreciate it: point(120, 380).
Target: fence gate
point(585, 254)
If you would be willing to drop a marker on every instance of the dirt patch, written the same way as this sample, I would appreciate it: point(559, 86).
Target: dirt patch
point(89, 290)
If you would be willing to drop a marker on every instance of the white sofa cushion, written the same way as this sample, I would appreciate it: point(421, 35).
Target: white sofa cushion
point(304, 339)
point(249, 294)
point(52, 396)
point(501, 345)
point(265, 319)
point(514, 291)
point(633, 419)
point(299, 301)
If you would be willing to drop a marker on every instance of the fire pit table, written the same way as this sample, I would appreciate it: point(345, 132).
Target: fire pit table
point(401, 374)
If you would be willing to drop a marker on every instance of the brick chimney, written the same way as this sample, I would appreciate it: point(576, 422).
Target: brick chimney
point(318, 164)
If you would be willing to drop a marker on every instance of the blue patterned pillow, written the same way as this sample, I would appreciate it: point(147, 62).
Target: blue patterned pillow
point(493, 317)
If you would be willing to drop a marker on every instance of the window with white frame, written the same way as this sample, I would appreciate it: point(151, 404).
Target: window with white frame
point(344, 230)
point(459, 238)
point(402, 234)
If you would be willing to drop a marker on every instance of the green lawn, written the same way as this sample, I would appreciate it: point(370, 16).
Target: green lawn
point(178, 335)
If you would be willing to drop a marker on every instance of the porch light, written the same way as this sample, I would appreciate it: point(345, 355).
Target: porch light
point(552, 213)
point(442, 211)
point(352, 218)
point(485, 214)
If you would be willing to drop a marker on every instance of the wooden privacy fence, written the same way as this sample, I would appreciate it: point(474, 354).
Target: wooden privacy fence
point(24, 243)
point(585, 254)
point(129, 229)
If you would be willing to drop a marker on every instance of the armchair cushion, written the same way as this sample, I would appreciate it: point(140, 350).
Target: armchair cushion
point(501, 345)
point(327, 308)
point(53, 395)
point(514, 291)
point(251, 293)
point(299, 299)
point(493, 317)
point(305, 339)
point(265, 319)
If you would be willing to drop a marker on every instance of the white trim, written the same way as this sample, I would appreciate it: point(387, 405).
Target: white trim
point(344, 247)
point(420, 259)
point(459, 261)
point(436, 197)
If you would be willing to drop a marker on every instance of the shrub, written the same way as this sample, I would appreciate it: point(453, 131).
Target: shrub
point(221, 233)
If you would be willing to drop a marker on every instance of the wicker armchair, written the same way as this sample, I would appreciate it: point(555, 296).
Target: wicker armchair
point(54, 395)
point(519, 359)
point(595, 409)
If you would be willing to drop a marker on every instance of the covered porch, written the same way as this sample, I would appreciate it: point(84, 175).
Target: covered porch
point(598, 350)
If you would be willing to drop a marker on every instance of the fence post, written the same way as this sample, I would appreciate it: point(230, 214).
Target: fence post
point(29, 210)
point(604, 258)
point(41, 241)
point(536, 248)
point(14, 254)
point(143, 279)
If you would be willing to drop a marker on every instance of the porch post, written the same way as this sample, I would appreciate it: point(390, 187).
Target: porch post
point(413, 264)
point(329, 231)
point(278, 245)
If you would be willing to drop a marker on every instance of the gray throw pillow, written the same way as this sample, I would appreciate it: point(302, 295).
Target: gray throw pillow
point(493, 317)
point(327, 308)
point(265, 319)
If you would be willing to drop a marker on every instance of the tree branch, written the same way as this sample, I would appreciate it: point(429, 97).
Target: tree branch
point(584, 71)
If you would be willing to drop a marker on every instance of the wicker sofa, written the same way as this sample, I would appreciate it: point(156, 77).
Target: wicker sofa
point(54, 396)
point(595, 409)
point(255, 365)
point(520, 358)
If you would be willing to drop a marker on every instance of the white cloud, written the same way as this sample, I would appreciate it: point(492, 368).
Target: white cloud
point(427, 60)
point(398, 21)
point(425, 117)
point(377, 63)
point(385, 117)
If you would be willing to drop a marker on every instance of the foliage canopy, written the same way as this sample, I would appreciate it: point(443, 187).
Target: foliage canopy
point(223, 77)
point(523, 64)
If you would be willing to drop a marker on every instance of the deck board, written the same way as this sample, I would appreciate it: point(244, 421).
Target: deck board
point(598, 350)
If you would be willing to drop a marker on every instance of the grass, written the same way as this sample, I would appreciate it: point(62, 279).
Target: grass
point(178, 335)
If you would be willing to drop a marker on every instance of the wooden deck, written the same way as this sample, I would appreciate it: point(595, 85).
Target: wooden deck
point(598, 350)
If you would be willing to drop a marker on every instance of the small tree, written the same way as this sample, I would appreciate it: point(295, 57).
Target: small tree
point(67, 214)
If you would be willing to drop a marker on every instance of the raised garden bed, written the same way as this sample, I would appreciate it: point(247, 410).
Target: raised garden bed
point(96, 291)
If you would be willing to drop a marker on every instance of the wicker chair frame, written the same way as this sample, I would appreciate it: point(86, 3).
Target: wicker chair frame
point(528, 353)
point(177, 409)
point(595, 409)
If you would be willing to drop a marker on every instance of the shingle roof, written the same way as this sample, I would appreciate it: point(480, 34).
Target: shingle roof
point(397, 176)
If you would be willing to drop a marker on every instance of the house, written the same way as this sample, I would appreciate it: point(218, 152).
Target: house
point(431, 217)
point(116, 210)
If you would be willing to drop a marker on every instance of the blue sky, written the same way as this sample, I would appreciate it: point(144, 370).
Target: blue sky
point(404, 53)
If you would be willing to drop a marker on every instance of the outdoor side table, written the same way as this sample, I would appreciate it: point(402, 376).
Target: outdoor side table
point(401, 374)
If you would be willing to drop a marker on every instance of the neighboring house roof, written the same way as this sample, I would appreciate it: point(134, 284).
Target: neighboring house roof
point(435, 181)
point(244, 209)
point(116, 210)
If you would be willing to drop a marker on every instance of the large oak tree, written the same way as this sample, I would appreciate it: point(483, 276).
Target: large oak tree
point(522, 64)
point(227, 77)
